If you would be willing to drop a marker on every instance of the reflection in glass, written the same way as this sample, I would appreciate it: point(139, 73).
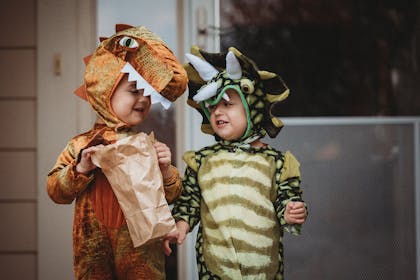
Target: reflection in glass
point(340, 58)
point(358, 181)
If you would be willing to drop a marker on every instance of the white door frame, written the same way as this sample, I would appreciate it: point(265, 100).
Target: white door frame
point(197, 14)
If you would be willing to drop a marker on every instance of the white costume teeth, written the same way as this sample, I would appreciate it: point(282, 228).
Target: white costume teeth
point(141, 83)
point(226, 97)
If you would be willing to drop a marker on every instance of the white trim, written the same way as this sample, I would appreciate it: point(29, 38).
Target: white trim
point(216, 23)
point(181, 101)
point(417, 191)
point(192, 136)
point(348, 120)
point(86, 43)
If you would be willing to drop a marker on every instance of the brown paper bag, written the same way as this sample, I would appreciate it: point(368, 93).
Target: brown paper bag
point(132, 169)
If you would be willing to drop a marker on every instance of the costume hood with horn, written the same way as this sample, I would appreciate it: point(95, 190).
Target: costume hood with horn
point(211, 74)
point(146, 59)
point(236, 192)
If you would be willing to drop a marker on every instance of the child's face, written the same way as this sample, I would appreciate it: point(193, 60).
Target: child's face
point(129, 104)
point(228, 118)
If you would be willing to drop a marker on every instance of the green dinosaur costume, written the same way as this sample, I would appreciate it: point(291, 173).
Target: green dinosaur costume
point(102, 246)
point(237, 192)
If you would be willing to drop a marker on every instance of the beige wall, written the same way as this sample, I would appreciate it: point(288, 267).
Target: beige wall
point(18, 199)
point(39, 114)
point(65, 30)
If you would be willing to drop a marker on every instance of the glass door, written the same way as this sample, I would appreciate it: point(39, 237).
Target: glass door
point(352, 120)
point(359, 180)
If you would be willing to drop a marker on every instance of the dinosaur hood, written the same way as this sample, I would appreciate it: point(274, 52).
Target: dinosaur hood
point(211, 74)
point(144, 57)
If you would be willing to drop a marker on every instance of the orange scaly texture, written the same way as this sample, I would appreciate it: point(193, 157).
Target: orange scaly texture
point(102, 246)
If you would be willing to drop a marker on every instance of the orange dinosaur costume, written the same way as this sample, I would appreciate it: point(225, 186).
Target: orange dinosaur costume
point(102, 245)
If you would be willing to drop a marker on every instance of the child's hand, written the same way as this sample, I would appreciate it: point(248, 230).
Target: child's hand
point(178, 236)
point(172, 238)
point(295, 212)
point(164, 159)
point(86, 165)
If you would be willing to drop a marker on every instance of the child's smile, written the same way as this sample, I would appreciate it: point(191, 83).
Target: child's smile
point(129, 104)
point(221, 123)
point(140, 107)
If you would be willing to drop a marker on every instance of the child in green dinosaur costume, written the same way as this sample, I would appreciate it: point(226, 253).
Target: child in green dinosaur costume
point(126, 74)
point(243, 192)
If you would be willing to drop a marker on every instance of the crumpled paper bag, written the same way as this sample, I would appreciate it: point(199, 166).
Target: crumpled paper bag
point(132, 169)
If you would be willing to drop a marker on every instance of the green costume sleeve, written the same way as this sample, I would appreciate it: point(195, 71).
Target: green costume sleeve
point(187, 206)
point(287, 188)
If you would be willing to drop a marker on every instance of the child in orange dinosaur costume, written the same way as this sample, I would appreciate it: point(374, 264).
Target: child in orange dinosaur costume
point(127, 72)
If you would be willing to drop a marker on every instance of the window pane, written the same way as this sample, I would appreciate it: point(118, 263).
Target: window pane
point(358, 181)
point(339, 58)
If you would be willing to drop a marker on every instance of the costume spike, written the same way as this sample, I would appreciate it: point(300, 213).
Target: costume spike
point(233, 68)
point(121, 27)
point(86, 59)
point(81, 92)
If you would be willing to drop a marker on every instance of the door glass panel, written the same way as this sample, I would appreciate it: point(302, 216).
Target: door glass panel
point(339, 58)
point(358, 181)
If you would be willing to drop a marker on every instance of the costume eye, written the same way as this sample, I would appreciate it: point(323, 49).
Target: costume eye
point(128, 42)
point(247, 86)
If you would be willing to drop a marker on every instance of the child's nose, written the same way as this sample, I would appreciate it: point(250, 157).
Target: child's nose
point(140, 93)
point(217, 108)
point(141, 96)
point(143, 99)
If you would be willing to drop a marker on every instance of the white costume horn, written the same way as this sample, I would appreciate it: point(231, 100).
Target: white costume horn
point(206, 92)
point(204, 69)
point(233, 68)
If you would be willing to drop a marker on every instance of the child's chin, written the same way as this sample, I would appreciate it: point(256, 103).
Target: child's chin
point(228, 138)
point(135, 122)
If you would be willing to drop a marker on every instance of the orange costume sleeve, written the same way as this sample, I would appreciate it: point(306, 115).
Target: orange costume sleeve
point(172, 186)
point(64, 183)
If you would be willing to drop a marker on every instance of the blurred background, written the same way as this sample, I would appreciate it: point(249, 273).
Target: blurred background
point(352, 120)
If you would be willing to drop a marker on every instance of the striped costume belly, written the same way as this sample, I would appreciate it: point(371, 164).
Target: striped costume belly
point(240, 229)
